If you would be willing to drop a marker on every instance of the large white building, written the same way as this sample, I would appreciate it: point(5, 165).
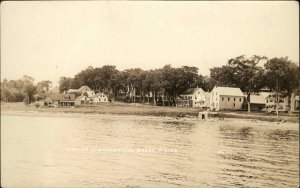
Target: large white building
point(226, 98)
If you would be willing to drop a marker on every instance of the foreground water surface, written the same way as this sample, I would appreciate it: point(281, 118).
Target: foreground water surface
point(128, 151)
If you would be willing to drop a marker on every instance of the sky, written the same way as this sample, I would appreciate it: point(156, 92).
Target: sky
point(50, 39)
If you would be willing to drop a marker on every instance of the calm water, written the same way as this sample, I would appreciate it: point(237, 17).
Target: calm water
point(128, 151)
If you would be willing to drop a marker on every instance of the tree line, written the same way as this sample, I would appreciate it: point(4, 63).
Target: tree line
point(167, 81)
point(250, 74)
point(23, 90)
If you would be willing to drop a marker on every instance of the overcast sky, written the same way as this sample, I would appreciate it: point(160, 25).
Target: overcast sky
point(50, 39)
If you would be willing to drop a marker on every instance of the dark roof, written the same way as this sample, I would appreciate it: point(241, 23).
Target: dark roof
point(62, 96)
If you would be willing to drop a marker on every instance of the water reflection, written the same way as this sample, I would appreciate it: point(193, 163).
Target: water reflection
point(122, 151)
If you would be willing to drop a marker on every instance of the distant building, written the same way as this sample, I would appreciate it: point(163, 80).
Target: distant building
point(270, 98)
point(79, 91)
point(226, 98)
point(82, 100)
point(193, 97)
point(257, 102)
point(295, 102)
point(99, 98)
point(62, 100)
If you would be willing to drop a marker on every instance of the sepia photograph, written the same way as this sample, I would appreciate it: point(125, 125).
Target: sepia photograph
point(149, 94)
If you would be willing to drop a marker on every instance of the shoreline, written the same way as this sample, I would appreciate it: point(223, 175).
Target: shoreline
point(142, 110)
point(233, 123)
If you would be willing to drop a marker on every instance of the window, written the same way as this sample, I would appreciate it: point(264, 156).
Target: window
point(233, 99)
point(240, 99)
point(222, 98)
point(228, 99)
point(233, 104)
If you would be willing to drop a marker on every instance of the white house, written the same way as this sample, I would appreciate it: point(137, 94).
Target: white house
point(193, 97)
point(270, 98)
point(226, 98)
point(99, 98)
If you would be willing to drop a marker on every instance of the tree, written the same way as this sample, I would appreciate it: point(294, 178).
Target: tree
point(28, 89)
point(65, 83)
point(43, 87)
point(153, 83)
point(222, 76)
point(5, 94)
point(247, 74)
point(241, 72)
point(282, 77)
point(134, 82)
point(106, 80)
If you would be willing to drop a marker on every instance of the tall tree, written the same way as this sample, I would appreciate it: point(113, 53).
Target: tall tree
point(282, 77)
point(28, 89)
point(223, 76)
point(65, 83)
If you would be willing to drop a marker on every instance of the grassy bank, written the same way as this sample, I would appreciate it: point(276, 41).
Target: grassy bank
point(146, 110)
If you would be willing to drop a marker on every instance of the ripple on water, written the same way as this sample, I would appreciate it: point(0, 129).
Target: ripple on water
point(208, 154)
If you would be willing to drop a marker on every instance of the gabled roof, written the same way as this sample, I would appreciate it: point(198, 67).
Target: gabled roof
point(192, 91)
point(229, 91)
point(62, 96)
point(84, 88)
point(257, 99)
